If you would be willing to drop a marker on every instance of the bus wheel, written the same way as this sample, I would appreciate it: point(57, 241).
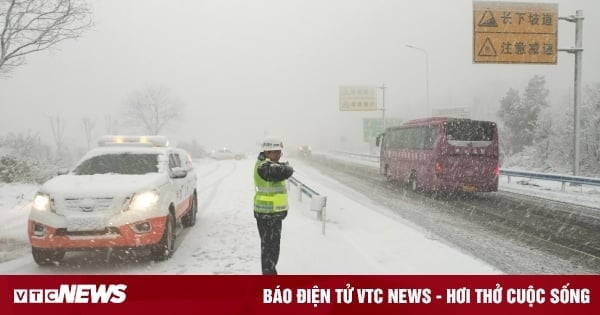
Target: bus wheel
point(413, 183)
point(388, 174)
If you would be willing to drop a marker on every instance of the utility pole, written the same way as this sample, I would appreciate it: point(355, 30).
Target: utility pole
point(426, 75)
point(578, 51)
point(382, 87)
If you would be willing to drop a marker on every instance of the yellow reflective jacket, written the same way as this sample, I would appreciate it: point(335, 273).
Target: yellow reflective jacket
point(270, 196)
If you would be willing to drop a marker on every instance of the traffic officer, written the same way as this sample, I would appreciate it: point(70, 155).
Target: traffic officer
point(270, 200)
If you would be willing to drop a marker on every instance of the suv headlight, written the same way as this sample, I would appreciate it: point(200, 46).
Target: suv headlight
point(144, 201)
point(41, 202)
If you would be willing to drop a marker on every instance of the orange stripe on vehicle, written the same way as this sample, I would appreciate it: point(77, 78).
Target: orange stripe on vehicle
point(127, 237)
point(183, 206)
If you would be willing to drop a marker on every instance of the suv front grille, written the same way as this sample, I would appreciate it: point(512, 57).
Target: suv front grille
point(94, 204)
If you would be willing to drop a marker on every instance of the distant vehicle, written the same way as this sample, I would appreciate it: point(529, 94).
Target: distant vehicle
point(226, 154)
point(304, 151)
point(129, 193)
point(442, 154)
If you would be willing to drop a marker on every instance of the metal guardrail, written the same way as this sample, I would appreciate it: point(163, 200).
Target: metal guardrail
point(366, 157)
point(580, 180)
point(318, 203)
point(564, 179)
point(303, 188)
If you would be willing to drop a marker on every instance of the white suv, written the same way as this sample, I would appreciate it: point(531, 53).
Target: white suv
point(128, 193)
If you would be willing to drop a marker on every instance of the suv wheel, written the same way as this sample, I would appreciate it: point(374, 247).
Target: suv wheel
point(164, 249)
point(43, 256)
point(189, 219)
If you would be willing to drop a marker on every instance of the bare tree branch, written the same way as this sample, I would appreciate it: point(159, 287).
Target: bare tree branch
point(153, 109)
point(88, 127)
point(112, 125)
point(58, 133)
point(29, 26)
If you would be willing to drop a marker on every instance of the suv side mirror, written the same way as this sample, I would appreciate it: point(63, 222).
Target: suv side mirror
point(178, 172)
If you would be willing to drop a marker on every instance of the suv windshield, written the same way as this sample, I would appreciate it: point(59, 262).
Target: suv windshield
point(122, 163)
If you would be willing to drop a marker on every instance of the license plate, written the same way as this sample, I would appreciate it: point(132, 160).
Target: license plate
point(88, 222)
point(468, 188)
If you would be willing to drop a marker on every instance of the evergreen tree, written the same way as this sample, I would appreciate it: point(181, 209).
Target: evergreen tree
point(589, 136)
point(534, 100)
point(508, 115)
point(520, 115)
point(560, 155)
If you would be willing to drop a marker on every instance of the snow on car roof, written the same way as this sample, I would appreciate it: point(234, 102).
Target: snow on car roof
point(126, 149)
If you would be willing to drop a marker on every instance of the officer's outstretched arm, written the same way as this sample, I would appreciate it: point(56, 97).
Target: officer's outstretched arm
point(274, 172)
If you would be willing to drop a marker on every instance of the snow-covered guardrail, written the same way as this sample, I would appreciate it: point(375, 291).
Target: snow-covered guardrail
point(365, 157)
point(580, 180)
point(317, 202)
point(564, 179)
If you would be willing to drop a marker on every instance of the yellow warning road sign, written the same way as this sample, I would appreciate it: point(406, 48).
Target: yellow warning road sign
point(358, 98)
point(512, 32)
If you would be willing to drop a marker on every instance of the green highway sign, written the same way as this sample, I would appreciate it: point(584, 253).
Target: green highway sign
point(372, 127)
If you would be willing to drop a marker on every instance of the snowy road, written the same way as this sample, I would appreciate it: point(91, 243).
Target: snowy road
point(371, 229)
point(361, 237)
point(517, 233)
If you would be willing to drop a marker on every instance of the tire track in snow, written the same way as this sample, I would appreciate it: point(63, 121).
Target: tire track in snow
point(209, 247)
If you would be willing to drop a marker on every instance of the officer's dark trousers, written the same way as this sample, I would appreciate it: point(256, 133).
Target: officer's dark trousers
point(269, 228)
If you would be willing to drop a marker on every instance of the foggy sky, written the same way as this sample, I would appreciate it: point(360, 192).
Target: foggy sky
point(245, 69)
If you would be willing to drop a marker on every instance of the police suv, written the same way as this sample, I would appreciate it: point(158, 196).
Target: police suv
point(129, 193)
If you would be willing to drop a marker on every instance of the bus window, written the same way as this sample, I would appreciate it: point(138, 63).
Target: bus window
point(467, 130)
point(429, 137)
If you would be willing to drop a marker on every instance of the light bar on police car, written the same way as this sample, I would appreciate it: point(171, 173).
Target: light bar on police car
point(157, 141)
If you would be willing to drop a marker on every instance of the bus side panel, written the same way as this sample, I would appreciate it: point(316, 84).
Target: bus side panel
point(395, 162)
point(425, 164)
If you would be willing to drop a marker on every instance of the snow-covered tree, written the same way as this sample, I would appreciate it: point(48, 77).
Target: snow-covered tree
point(153, 108)
point(23, 158)
point(112, 125)
point(63, 157)
point(88, 127)
point(520, 114)
point(508, 114)
point(543, 134)
point(29, 26)
point(560, 155)
point(590, 130)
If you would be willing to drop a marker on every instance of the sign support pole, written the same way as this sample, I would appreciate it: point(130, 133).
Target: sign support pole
point(578, 51)
point(382, 87)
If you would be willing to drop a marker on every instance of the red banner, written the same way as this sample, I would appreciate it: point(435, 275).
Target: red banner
point(287, 295)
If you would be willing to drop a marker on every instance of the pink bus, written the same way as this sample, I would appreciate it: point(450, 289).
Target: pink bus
point(442, 154)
